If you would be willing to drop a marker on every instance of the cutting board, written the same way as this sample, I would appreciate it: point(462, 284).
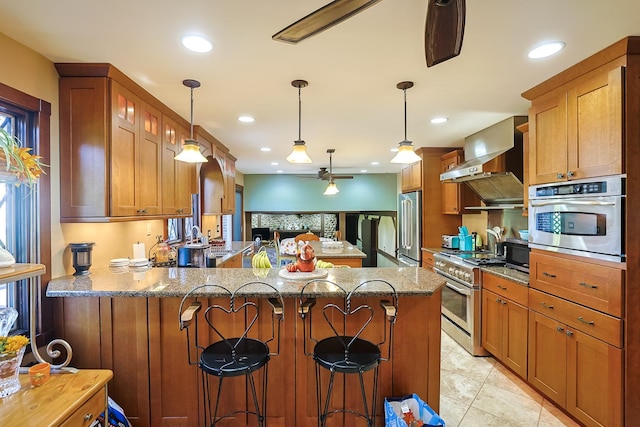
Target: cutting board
point(318, 273)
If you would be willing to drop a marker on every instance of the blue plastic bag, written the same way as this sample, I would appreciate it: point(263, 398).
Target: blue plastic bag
point(393, 410)
point(117, 418)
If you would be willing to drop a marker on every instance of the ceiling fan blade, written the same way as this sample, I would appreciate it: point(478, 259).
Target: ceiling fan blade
point(321, 19)
point(342, 176)
point(444, 30)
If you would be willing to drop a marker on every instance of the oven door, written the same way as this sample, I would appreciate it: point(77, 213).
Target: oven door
point(457, 305)
point(590, 225)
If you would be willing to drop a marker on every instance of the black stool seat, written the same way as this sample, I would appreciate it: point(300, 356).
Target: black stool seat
point(218, 358)
point(362, 356)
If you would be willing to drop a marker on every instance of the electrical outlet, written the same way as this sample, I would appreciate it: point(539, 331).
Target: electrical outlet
point(149, 229)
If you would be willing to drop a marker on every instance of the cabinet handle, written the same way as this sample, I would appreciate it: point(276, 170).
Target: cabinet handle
point(586, 285)
point(588, 322)
point(570, 174)
point(179, 210)
point(559, 328)
point(559, 175)
point(544, 273)
point(569, 333)
point(88, 417)
point(498, 300)
point(502, 287)
point(503, 302)
point(545, 305)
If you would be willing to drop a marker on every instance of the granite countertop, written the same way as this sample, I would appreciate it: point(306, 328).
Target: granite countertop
point(176, 282)
point(348, 251)
point(509, 274)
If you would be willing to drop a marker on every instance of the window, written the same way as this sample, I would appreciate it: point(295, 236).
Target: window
point(19, 221)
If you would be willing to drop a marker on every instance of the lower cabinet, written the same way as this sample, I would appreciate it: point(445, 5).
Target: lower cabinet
point(577, 371)
point(504, 322)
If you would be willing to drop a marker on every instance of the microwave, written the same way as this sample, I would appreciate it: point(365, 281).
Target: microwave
point(582, 217)
point(516, 254)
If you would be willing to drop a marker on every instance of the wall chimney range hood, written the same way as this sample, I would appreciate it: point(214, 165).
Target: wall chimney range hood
point(493, 163)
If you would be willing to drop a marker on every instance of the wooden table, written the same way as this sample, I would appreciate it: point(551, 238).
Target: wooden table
point(65, 400)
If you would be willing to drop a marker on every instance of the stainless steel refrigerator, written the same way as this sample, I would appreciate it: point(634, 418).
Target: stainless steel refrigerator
point(409, 228)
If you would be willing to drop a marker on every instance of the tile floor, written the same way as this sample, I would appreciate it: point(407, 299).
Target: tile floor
point(478, 391)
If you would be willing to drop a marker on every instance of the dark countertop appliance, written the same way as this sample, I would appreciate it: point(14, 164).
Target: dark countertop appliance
point(516, 254)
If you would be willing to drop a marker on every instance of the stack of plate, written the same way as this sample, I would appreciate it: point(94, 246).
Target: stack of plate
point(139, 263)
point(119, 262)
point(332, 246)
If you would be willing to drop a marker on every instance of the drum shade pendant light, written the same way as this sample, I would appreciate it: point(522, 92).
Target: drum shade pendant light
point(191, 149)
point(405, 154)
point(299, 153)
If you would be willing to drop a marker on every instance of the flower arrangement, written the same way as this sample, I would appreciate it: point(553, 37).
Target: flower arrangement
point(10, 346)
point(18, 161)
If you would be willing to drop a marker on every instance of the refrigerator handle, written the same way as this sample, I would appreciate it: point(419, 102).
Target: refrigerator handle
point(406, 218)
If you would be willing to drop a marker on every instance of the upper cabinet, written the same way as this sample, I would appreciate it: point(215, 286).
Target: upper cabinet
point(456, 196)
point(575, 131)
point(411, 177)
point(217, 176)
point(117, 148)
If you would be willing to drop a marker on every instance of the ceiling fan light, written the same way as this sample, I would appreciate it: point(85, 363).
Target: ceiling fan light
point(332, 189)
point(405, 154)
point(191, 153)
point(299, 153)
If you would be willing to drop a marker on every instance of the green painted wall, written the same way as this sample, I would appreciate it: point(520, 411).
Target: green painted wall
point(288, 193)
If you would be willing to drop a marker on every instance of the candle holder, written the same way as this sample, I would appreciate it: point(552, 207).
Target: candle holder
point(81, 257)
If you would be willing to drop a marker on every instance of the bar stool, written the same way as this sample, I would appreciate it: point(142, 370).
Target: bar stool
point(228, 357)
point(342, 348)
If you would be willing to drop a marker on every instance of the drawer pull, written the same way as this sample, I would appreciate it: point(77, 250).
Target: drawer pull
point(559, 328)
point(569, 333)
point(544, 273)
point(588, 322)
point(502, 287)
point(498, 300)
point(545, 305)
point(88, 417)
point(586, 285)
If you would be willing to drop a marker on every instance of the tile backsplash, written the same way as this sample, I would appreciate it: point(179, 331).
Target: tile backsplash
point(323, 224)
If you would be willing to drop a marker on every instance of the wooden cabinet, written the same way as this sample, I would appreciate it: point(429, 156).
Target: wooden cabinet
point(178, 178)
point(456, 196)
point(233, 262)
point(427, 259)
point(577, 371)
point(524, 128)
point(576, 132)
point(576, 336)
point(505, 321)
point(411, 177)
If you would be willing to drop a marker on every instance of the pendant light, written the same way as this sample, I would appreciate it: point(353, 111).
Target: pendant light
point(299, 153)
point(191, 149)
point(405, 153)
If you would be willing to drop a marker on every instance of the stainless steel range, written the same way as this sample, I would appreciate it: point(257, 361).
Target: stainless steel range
point(461, 299)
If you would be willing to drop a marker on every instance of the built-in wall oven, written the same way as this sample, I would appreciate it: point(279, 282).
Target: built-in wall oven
point(582, 217)
point(461, 299)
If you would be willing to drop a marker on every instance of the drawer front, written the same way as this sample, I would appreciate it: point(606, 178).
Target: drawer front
point(593, 285)
point(511, 290)
point(427, 259)
point(89, 411)
point(599, 325)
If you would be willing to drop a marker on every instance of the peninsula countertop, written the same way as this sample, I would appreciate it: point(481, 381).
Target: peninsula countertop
point(348, 251)
point(176, 282)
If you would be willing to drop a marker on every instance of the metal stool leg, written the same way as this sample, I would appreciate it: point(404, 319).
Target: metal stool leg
point(364, 399)
point(215, 410)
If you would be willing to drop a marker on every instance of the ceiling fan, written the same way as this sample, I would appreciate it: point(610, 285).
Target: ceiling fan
point(327, 175)
point(444, 28)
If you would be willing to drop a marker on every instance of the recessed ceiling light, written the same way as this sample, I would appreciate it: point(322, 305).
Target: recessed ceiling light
point(546, 49)
point(196, 43)
point(274, 163)
point(363, 170)
point(265, 149)
point(279, 171)
point(246, 119)
point(375, 163)
point(438, 120)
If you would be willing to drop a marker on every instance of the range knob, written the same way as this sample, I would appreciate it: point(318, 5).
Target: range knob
point(452, 270)
point(467, 277)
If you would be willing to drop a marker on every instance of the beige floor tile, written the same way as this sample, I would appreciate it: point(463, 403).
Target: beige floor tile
point(461, 362)
point(478, 418)
point(503, 378)
point(452, 411)
point(554, 417)
point(459, 387)
point(512, 407)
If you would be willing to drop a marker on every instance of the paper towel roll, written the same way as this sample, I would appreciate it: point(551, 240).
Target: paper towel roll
point(139, 251)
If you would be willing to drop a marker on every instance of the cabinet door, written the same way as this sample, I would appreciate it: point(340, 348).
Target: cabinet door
point(229, 199)
point(594, 380)
point(514, 339)
point(176, 185)
point(125, 141)
point(594, 124)
point(455, 197)
point(547, 357)
point(412, 177)
point(548, 140)
point(492, 323)
point(150, 162)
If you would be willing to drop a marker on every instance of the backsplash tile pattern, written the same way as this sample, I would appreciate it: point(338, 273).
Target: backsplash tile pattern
point(322, 223)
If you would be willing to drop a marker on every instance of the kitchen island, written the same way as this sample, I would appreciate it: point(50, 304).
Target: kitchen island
point(348, 255)
point(128, 322)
